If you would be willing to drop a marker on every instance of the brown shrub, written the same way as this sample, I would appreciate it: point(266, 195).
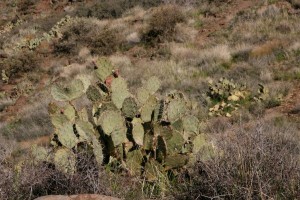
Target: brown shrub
point(259, 163)
point(84, 33)
point(104, 41)
point(21, 63)
point(107, 9)
point(161, 24)
point(29, 180)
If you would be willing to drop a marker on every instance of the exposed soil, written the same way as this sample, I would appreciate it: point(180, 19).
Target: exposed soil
point(214, 23)
point(290, 107)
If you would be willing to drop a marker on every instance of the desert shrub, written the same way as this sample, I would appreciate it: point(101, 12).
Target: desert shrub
point(26, 6)
point(259, 163)
point(83, 33)
point(104, 41)
point(29, 180)
point(161, 24)
point(21, 63)
point(106, 9)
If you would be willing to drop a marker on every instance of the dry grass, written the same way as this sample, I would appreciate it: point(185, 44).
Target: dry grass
point(257, 163)
point(33, 121)
point(5, 102)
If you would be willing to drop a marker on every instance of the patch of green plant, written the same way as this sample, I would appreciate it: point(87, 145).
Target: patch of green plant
point(198, 23)
point(226, 65)
point(225, 96)
point(280, 55)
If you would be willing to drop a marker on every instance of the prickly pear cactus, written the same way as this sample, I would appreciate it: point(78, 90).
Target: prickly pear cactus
point(65, 161)
point(103, 69)
point(4, 77)
point(68, 92)
point(119, 91)
point(227, 97)
point(144, 134)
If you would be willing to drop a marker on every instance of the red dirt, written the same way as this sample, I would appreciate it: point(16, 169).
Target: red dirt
point(290, 107)
point(222, 19)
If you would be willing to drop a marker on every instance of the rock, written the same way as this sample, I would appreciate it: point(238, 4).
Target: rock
point(77, 197)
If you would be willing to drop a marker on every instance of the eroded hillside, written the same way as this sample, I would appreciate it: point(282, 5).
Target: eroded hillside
point(238, 60)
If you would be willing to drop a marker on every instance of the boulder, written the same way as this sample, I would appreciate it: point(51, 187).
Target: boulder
point(77, 197)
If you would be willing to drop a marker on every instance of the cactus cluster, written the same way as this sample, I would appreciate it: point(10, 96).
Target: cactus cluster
point(140, 132)
point(8, 27)
point(53, 33)
point(4, 77)
point(227, 96)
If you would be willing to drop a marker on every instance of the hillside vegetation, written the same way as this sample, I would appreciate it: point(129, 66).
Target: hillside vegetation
point(206, 92)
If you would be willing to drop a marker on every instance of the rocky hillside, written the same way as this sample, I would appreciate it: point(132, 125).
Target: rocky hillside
point(237, 60)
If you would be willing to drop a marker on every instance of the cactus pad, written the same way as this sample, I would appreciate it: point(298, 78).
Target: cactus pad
point(138, 131)
point(164, 131)
point(40, 154)
point(129, 107)
point(85, 79)
point(142, 95)
point(148, 108)
point(119, 91)
point(200, 145)
point(111, 121)
point(66, 136)
point(176, 109)
point(69, 112)
point(152, 85)
point(65, 161)
point(148, 141)
point(98, 151)
point(175, 143)
point(85, 130)
point(119, 136)
point(175, 161)
point(93, 94)
point(68, 92)
point(59, 120)
point(190, 126)
point(83, 115)
point(178, 125)
point(104, 68)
